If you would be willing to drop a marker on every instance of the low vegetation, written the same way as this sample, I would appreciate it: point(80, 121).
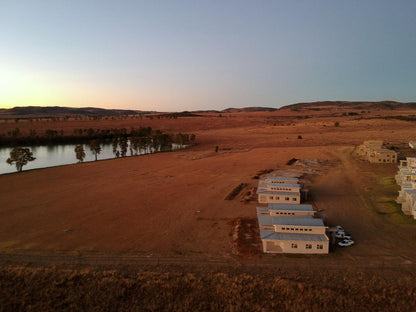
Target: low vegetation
point(168, 288)
point(236, 191)
point(17, 137)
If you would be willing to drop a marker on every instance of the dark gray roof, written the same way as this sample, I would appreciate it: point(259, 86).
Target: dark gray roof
point(270, 235)
point(277, 193)
point(280, 178)
point(265, 184)
point(295, 207)
point(265, 219)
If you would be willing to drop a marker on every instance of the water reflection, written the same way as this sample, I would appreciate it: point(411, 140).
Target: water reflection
point(62, 154)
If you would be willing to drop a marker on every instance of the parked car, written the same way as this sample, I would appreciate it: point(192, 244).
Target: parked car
point(346, 242)
point(347, 235)
point(339, 234)
point(339, 228)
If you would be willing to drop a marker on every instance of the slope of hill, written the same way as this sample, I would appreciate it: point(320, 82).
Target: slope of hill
point(349, 104)
point(50, 111)
point(248, 109)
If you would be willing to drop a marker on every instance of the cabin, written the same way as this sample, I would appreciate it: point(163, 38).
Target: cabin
point(406, 179)
point(296, 234)
point(279, 190)
point(374, 151)
point(276, 197)
point(279, 180)
point(287, 210)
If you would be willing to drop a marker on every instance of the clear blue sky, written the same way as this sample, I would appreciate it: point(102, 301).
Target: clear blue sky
point(188, 55)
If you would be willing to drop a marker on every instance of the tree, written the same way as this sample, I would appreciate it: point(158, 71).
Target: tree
point(21, 156)
point(134, 144)
point(115, 144)
point(123, 146)
point(80, 153)
point(95, 148)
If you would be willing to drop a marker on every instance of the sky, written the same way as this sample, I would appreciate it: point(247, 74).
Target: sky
point(200, 55)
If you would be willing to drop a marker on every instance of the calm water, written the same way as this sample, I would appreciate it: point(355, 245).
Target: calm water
point(56, 155)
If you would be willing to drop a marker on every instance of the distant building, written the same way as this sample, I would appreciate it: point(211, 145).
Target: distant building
point(374, 151)
point(406, 179)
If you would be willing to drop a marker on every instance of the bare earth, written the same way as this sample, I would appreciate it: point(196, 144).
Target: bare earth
point(172, 207)
point(174, 203)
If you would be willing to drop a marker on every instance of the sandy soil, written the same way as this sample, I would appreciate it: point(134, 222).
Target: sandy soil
point(174, 203)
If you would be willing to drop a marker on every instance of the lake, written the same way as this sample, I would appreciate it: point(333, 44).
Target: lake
point(57, 155)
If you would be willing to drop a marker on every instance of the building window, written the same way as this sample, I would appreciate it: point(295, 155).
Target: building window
point(308, 246)
point(319, 246)
point(286, 198)
point(294, 245)
point(294, 198)
point(283, 228)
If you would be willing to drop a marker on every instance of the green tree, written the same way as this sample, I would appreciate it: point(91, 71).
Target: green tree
point(20, 156)
point(80, 153)
point(95, 147)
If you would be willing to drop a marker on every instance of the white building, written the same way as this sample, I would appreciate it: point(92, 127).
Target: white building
point(279, 180)
point(296, 234)
point(406, 178)
point(374, 151)
point(287, 210)
point(279, 190)
point(285, 225)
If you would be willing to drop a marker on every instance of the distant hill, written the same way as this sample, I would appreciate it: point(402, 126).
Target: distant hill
point(349, 104)
point(55, 111)
point(248, 109)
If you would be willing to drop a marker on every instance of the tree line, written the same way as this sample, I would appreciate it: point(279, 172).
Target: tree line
point(79, 135)
point(138, 141)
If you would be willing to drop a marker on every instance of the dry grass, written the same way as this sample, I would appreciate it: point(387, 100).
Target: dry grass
point(208, 289)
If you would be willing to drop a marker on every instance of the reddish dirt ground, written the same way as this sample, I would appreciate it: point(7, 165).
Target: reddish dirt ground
point(174, 203)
